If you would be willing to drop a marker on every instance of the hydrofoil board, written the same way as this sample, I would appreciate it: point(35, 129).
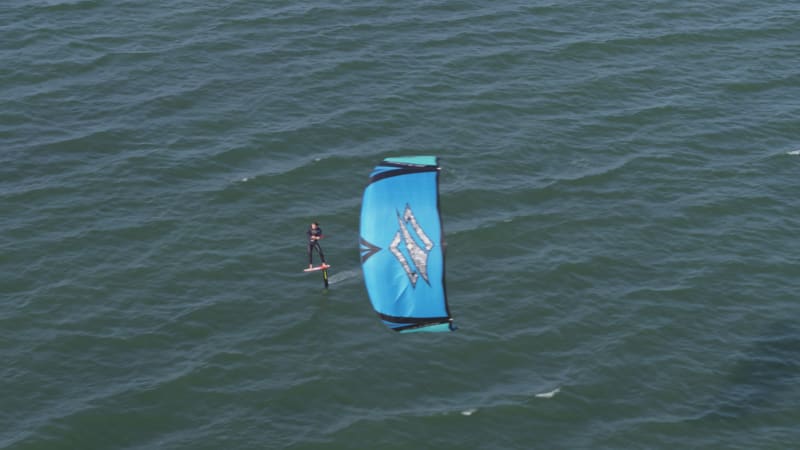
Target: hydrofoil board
point(314, 269)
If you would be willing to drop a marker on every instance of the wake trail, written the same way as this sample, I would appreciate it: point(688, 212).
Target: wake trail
point(341, 277)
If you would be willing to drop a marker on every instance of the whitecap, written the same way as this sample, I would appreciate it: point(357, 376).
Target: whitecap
point(550, 394)
point(468, 412)
point(793, 152)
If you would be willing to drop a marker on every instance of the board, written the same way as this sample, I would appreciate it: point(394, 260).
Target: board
point(314, 269)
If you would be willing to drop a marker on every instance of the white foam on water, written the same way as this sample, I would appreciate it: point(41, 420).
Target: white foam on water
point(468, 412)
point(793, 152)
point(550, 394)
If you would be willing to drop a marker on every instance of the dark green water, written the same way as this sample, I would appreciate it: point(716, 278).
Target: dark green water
point(619, 196)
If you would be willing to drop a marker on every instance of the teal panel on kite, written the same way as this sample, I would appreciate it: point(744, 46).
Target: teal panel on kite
point(402, 253)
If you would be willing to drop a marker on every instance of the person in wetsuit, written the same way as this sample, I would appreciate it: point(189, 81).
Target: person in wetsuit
point(314, 235)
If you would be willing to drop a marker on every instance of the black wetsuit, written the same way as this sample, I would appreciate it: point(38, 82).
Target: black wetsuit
point(314, 243)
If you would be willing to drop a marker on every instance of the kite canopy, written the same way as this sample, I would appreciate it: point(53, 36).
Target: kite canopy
point(402, 253)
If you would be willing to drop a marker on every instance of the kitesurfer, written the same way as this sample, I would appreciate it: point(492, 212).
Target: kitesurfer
point(314, 235)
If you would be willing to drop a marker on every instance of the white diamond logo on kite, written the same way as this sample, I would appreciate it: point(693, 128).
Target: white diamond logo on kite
point(416, 252)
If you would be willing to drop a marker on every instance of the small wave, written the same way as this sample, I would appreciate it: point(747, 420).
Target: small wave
point(469, 412)
point(550, 394)
point(793, 152)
